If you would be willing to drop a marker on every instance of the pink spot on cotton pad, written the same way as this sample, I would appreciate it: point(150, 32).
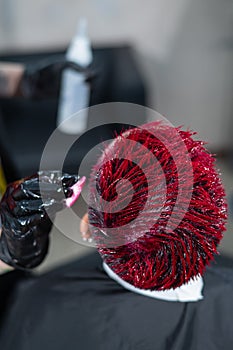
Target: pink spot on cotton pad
point(77, 189)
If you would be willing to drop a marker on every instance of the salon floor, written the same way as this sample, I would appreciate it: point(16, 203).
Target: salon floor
point(63, 249)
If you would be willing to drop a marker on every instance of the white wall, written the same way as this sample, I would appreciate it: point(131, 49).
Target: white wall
point(183, 46)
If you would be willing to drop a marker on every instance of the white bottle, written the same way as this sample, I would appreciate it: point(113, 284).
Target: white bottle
point(75, 92)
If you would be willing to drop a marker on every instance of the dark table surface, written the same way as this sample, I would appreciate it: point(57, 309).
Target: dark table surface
point(28, 123)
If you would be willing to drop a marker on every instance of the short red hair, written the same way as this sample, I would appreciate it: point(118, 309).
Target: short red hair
point(158, 258)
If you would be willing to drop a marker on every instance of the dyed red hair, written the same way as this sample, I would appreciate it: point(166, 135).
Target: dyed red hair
point(158, 258)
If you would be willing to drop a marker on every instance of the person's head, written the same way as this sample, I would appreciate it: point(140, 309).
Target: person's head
point(160, 226)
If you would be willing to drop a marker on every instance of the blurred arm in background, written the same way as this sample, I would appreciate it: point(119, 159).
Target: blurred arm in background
point(10, 77)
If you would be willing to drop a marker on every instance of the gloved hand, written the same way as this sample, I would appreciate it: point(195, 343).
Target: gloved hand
point(24, 211)
point(42, 79)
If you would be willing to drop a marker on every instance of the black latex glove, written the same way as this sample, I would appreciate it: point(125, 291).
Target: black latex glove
point(42, 79)
point(25, 223)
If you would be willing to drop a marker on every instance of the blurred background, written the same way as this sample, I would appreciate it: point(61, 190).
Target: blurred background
point(174, 56)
